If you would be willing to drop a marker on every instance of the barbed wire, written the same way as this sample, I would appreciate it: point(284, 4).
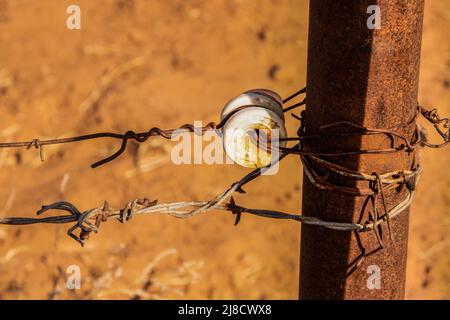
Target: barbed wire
point(316, 169)
point(89, 221)
point(129, 135)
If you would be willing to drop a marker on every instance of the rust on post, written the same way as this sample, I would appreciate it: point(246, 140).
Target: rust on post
point(368, 77)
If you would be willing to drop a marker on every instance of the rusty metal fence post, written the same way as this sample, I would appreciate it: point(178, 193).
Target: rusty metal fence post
point(368, 77)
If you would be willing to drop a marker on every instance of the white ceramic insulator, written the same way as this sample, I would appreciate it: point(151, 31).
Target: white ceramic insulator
point(251, 136)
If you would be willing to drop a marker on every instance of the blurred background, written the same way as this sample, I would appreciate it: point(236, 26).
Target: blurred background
point(138, 64)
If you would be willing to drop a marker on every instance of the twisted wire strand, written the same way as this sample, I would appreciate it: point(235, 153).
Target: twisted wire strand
point(89, 221)
point(129, 135)
point(184, 210)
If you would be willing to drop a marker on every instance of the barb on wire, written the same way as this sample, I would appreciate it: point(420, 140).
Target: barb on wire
point(433, 117)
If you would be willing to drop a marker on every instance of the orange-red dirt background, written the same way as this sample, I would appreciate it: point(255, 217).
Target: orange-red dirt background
point(139, 64)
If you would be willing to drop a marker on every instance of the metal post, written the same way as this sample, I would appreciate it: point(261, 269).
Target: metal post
point(368, 77)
